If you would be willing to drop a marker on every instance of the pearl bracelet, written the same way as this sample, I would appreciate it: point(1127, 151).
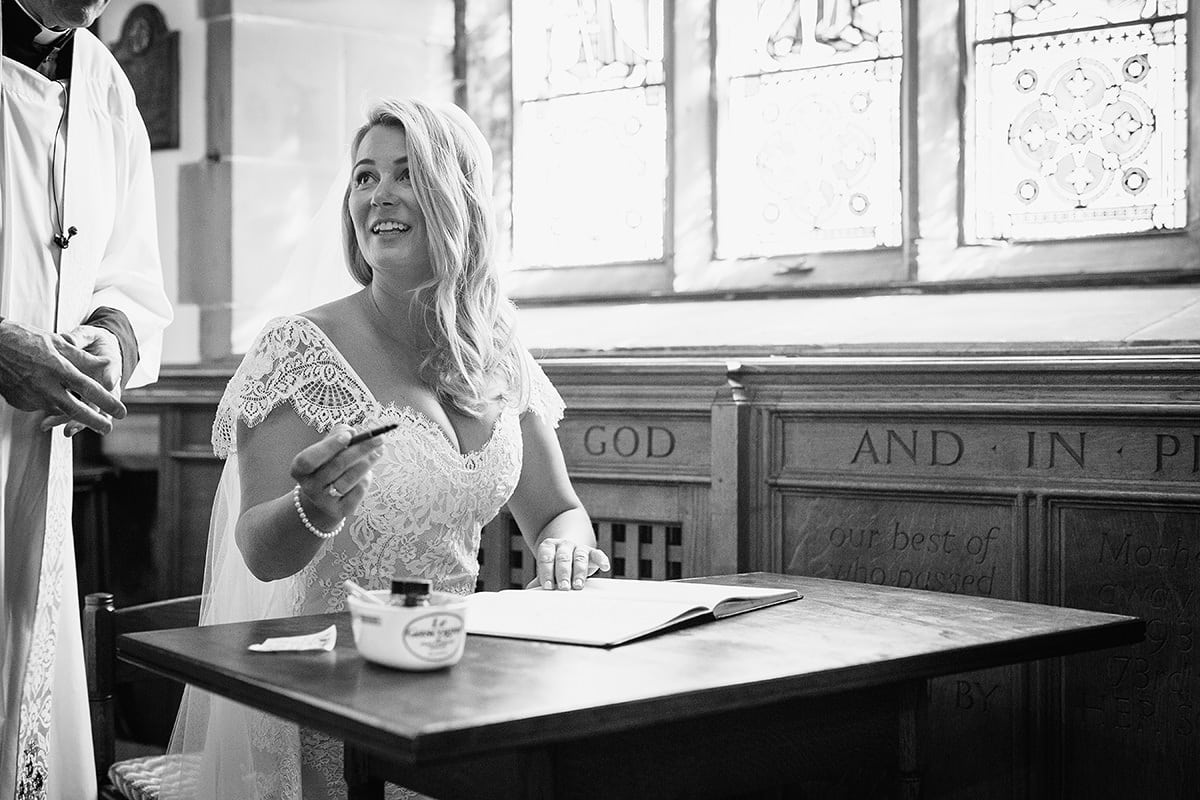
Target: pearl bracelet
point(313, 529)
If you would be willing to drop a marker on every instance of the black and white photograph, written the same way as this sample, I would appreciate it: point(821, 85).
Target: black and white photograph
point(599, 399)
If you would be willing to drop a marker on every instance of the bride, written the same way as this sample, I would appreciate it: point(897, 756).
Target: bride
point(428, 343)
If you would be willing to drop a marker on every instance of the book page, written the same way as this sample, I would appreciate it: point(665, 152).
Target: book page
point(590, 616)
point(607, 611)
point(704, 594)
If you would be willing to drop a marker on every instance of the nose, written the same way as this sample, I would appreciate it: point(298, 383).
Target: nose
point(384, 194)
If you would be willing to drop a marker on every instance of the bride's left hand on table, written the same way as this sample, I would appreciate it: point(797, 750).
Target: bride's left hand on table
point(564, 564)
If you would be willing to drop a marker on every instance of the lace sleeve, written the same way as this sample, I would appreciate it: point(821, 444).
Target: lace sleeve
point(542, 398)
point(291, 361)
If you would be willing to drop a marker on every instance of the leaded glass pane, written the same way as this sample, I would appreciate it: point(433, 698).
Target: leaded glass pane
point(589, 178)
point(810, 161)
point(808, 147)
point(589, 133)
point(1001, 19)
point(792, 34)
point(1080, 133)
point(563, 47)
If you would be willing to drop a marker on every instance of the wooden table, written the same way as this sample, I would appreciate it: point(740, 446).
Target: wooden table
point(829, 686)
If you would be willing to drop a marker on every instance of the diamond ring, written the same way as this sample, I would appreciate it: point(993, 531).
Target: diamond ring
point(332, 491)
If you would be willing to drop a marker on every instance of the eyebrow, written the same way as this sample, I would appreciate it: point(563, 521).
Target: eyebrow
point(371, 161)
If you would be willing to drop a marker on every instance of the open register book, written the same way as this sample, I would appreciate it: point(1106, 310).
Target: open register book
point(608, 611)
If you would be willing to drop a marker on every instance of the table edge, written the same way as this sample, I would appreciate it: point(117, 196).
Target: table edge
point(431, 746)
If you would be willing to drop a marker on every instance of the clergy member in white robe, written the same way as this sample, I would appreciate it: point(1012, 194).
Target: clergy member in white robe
point(75, 158)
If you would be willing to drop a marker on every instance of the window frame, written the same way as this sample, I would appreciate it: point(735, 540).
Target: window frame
point(934, 253)
point(945, 257)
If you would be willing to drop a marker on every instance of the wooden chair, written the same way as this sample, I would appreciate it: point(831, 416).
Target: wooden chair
point(135, 778)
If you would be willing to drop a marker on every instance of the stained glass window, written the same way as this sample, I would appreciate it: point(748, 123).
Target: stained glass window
point(589, 132)
point(1078, 118)
point(808, 147)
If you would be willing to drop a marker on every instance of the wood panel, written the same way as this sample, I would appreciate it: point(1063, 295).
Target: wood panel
point(986, 475)
point(629, 419)
point(664, 443)
point(956, 544)
point(971, 545)
point(1064, 480)
point(1131, 715)
point(649, 444)
point(638, 438)
point(941, 445)
point(182, 406)
point(649, 532)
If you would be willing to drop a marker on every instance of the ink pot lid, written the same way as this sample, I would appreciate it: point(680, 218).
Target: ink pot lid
point(414, 590)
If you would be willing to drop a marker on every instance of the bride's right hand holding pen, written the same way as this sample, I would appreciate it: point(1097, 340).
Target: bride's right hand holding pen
point(334, 474)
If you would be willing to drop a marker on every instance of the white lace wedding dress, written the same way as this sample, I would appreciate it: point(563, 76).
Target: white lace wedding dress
point(422, 516)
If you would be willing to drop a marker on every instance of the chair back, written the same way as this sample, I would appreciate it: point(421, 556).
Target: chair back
point(102, 624)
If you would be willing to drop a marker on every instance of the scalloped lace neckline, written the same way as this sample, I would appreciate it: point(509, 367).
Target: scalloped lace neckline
point(405, 411)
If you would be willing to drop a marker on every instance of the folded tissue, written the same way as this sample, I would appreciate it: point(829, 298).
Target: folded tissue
point(322, 640)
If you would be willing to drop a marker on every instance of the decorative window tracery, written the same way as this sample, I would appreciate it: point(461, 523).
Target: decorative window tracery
point(705, 171)
point(1078, 119)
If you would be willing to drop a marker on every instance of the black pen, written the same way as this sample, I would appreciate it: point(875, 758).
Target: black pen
point(372, 433)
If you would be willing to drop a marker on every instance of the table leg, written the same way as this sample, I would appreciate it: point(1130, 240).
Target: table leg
point(914, 701)
point(360, 785)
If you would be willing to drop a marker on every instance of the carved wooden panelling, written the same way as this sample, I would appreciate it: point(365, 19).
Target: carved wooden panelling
point(674, 445)
point(1132, 726)
point(977, 739)
point(928, 473)
point(872, 445)
point(963, 545)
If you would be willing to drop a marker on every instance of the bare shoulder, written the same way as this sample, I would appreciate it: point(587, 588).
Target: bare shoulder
point(333, 311)
point(340, 319)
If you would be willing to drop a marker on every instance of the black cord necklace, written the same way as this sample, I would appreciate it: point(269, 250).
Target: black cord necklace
point(62, 237)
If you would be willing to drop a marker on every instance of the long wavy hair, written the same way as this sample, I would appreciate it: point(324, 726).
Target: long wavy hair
point(475, 360)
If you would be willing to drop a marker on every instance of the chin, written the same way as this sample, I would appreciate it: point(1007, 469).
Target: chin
point(75, 15)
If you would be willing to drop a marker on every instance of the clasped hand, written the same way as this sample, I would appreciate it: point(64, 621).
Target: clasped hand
point(333, 477)
point(564, 564)
point(75, 377)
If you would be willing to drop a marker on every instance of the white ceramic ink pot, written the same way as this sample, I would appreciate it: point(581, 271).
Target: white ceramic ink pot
point(410, 637)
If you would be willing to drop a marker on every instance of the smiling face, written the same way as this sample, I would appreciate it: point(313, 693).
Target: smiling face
point(388, 223)
point(62, 14)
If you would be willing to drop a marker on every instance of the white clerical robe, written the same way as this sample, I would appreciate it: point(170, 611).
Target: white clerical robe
point(105, 189)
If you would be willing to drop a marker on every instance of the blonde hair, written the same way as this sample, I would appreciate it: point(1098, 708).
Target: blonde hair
point(476, 359)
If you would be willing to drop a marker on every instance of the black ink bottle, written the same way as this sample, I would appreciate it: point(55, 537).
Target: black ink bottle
point(411, 591)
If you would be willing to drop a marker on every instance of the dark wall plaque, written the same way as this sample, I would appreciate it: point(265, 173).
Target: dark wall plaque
point(1133, 713)
point(149, 54)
